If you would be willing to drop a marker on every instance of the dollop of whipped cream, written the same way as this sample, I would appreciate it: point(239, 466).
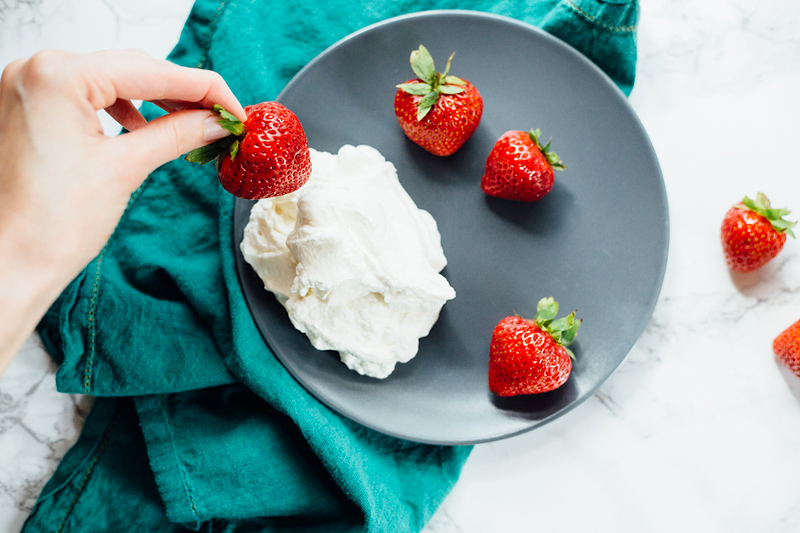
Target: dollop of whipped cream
point(353, 260)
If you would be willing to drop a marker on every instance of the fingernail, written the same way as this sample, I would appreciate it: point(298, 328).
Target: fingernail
point(212, 130)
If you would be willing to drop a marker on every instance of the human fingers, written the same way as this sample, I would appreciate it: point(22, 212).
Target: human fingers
point(167, 138)
point(8, 83)
point(10, 73)
point(175, 105)
point(126, 114)
point(133, 75)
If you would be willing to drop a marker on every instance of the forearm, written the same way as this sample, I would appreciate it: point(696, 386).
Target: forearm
point(27, 289)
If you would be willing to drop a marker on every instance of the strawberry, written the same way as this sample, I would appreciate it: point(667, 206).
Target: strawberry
point(266, 156)
point(520, 168)
point(437, 111)
point(531, 356)
point(753, 233)
point(787, 348)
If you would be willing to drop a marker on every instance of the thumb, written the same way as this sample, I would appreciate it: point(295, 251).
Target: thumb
point(168, 137)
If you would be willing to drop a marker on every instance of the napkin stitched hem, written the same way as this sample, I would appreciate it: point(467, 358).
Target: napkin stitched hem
point(165, 460)
point(87, 473)
point(212, 28)
point(591, 18)
point(90, 321)
point(181, 469)
point(95, 297)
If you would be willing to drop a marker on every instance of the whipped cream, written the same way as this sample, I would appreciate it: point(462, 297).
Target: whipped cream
point(352, 259)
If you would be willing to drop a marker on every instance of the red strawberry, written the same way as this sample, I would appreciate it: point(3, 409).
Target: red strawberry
point(531, 356)
point(520, 168)
point(753, 233)
point(266, 156)
point(787, 348)
point(437, 111)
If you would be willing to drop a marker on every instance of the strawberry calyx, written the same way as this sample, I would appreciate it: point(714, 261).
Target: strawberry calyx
point(229, 144)
point(551, 157)
point(762, 206)
point(432, 84)
point(563, 330)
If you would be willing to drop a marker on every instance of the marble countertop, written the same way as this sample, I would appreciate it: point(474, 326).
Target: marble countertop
point(698, 429)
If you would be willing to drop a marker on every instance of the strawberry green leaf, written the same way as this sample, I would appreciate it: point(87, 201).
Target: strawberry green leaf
point(417, 89)
point(451, 89)
point(783, 226)
point(562, 324)
point(555, 161)
point(569, 335)
point(546, 310)
point(752, 205)
point(564, 329)
point(762, 206)
point(773, 214)
point(552, 157)
point(426, 104)
point(206, 154)
point(422, 64)
point(452, 80)
point(229, 121)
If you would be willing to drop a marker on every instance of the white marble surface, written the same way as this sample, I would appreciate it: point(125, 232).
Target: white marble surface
point(698, 430)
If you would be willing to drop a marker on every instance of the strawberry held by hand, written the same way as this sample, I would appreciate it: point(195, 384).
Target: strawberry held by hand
point(753, 233)
point(787, 348)
point(266, 156)
point(519, 167)
point(531, 356)
point(437, 111)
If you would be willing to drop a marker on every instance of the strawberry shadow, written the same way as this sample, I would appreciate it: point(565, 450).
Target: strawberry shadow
point(761, 279)
point(792, 381)
point(464, 167)
point(543, 216)
point(537, 406)
point(744, 281)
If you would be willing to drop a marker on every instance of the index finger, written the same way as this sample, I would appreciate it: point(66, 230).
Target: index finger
point(110, 75)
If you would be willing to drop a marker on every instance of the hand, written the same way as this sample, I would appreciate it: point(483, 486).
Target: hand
point(63, 184)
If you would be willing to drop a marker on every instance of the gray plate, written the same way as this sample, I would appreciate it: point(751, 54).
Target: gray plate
point(597, 243)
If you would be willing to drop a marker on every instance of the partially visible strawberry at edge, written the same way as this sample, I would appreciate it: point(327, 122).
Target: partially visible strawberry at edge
point(787, 348)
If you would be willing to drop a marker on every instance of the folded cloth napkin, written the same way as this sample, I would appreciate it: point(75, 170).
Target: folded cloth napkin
point(196, 424)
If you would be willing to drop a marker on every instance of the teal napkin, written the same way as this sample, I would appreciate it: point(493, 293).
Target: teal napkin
point(196, 424)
